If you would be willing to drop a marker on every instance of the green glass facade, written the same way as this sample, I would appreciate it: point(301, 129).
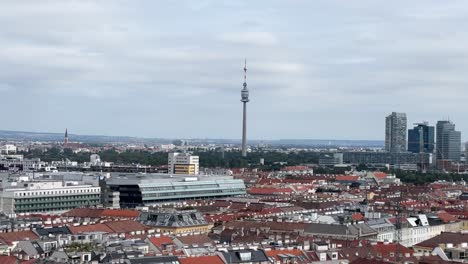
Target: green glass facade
point(55, 203)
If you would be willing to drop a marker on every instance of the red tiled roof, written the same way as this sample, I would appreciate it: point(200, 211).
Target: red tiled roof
point(444, 238)
point(275, 253)
point(447, 218)
point(368, 261)
point(99, 213)
point(18, 236)
point(269, 191)
point(125, 226)
point(90, 228)
point(225, 217)
point(347, 178)
point(195, 239)
point(380, 175)
point(386, 249)
point(122, 213)
point(201, 260)
point(294, 168)
point(12, 260)
point(357, 217)
point(84, 212)
point(158, 241)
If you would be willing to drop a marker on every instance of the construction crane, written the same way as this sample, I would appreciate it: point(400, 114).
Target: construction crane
point(398, 232)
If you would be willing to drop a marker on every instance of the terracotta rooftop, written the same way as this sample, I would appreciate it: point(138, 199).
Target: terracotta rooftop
point(444, 238)
point(201, 260)
point(368, 261)
point(295, 168)
point(347, 178)
point(380, 175)
point(10, 237)
point(275, 253)
point(269, 191)
point(90, 228)
point(12, 260)
point(386, 249)
point(125, 226)
point(195, 239)
point(158, 241)
point(101, 213)
point(357, 217)
point(84, 212)
point(447, 218)
point(121, 213)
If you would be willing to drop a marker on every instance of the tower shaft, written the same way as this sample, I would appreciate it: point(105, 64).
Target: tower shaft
point(244, 131)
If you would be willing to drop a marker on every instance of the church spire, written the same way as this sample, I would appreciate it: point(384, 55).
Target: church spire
point(65, 141)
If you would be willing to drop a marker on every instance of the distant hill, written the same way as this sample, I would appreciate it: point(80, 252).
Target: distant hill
point(54, 137)
point(44, 136)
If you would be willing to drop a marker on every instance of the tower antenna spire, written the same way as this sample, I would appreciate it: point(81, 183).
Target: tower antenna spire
point(245, 73)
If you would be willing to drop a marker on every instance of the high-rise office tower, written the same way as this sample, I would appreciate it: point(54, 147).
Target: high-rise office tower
point(466, 151)
point(448, 144)
point(395, 132)
point(421, 138)
point(244, 100)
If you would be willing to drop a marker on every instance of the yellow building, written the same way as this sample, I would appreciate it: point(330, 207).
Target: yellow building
point(183, 163)
point(189, 169)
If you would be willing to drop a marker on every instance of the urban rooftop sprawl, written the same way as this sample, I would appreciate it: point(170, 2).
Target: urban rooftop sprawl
point(201, 202)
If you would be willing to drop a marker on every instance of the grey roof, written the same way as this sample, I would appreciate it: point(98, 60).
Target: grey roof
point(340, 230)
point(155, 260)
point(379, 223)
point(157, 178)
point(64, 230)
point(173, 219)
point(234, 256)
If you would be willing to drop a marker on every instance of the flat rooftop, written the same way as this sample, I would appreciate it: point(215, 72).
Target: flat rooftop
point(136, 178)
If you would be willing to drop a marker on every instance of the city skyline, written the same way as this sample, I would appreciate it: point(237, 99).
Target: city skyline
point(106, 65)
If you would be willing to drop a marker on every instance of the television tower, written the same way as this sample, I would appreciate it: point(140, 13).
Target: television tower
point(244, 100)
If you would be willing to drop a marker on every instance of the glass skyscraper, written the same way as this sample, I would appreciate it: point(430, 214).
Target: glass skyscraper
point(421, 138)
point(448, 141)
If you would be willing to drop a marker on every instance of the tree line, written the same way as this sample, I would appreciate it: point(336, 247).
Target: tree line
point(210, 159)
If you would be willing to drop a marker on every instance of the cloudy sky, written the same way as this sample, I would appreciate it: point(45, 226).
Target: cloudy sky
point(317, 69)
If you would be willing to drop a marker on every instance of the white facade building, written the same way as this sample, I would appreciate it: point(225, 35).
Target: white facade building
point(47, 196)
point(183, 163)
point(18, 163)
point(8, 149)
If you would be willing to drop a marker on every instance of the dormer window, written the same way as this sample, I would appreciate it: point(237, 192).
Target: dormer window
point(245, 256)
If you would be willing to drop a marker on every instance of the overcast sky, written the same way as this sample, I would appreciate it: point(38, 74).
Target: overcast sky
point(317, 69)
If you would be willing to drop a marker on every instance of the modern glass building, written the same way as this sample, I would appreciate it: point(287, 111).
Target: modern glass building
point(421, 138)
point(146, 189)
point(47, 196)
point(448, 141)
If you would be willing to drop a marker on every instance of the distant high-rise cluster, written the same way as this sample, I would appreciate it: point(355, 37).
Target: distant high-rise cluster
point(395, 132)
point(443, 140)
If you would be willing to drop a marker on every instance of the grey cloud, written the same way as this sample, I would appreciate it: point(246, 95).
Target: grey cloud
point(314, 66)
